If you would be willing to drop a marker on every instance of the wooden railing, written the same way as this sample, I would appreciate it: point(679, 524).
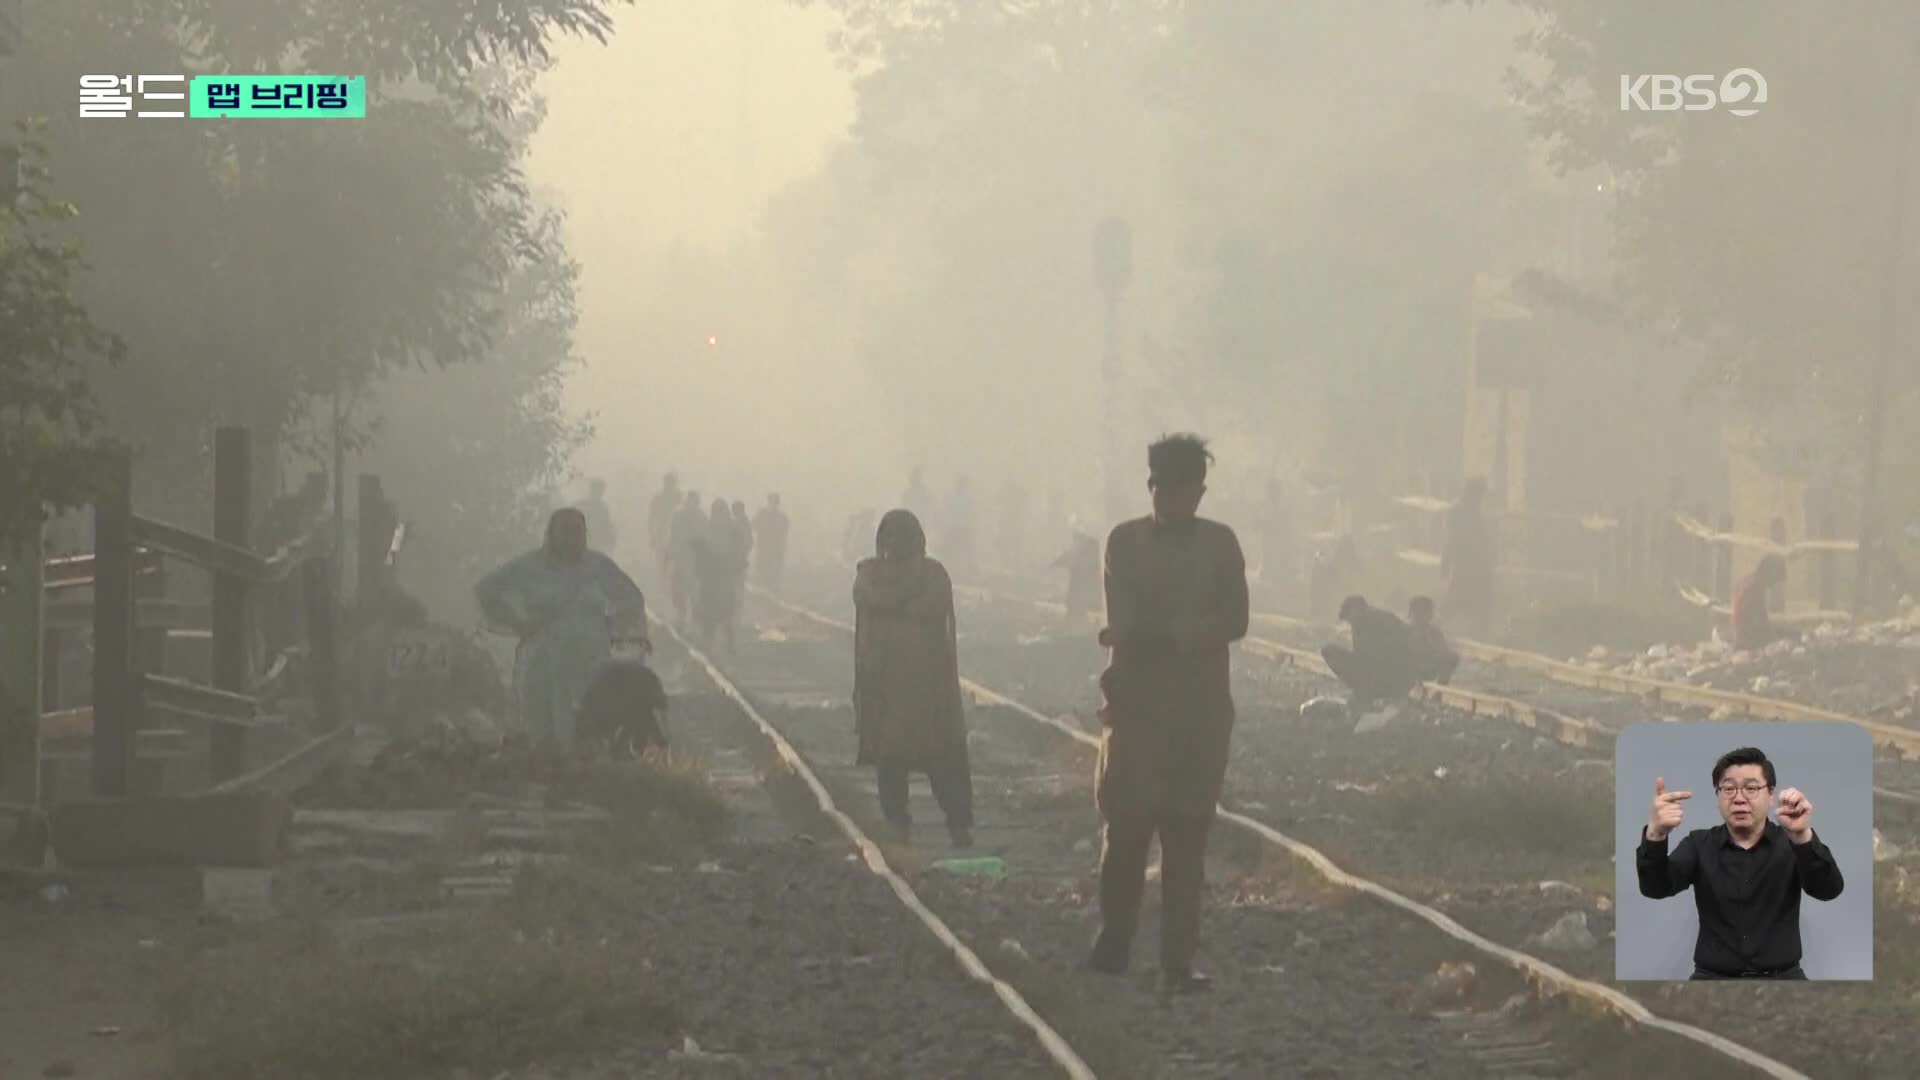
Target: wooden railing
point(131, 687)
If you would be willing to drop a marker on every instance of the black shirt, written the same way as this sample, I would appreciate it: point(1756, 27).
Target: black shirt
point(1386, 643)
point(624, 700)
point(1748, 899)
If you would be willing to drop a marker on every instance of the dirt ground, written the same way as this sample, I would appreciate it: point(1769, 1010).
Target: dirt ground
point(77, 1001)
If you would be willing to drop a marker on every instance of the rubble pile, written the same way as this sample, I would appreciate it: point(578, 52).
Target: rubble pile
point(1873, 668)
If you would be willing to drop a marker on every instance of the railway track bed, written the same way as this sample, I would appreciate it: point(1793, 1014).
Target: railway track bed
point(1505, 830)
point(1311, 980)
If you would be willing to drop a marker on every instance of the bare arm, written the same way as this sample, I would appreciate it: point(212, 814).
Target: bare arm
point(1123, 605)
point(1227, 621)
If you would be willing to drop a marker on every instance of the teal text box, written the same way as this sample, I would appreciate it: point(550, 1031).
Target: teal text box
point(341, 97)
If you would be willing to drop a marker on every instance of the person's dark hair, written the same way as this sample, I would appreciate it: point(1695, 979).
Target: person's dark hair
point(1352, 606)
point(1420, 607)
point(565, 517)
point(1181, 458)
point(1746, 755)
point(900, 536)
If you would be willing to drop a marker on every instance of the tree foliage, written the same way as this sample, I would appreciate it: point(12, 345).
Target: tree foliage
point(253, 265)
point(1762, 243)
point(49, 421)
point(471, 453)
point(1305, 237)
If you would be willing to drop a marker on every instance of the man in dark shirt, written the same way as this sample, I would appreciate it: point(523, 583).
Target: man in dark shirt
point(1380, 666)
point(1747, 874)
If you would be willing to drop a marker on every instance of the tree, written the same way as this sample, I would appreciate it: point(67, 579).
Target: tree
point(253, 266)
point(1776, 285)
point(50, 453)
point(989, 139)
point(470, 453)
point(1338, 191)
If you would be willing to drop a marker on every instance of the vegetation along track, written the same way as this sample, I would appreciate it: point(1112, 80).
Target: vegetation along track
point(1262, 880)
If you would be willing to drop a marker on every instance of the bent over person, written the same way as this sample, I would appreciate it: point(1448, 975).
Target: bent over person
point(565, 603)
point(1176, 589)
point(906, 677)
point(1747, 873)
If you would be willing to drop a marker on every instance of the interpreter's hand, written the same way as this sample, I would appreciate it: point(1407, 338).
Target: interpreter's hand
point(1667, 809)
point(1796, 815)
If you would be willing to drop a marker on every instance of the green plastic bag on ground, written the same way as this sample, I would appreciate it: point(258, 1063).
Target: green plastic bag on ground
point(992, 866)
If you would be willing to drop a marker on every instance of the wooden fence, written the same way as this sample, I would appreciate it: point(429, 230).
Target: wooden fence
point(267, 616)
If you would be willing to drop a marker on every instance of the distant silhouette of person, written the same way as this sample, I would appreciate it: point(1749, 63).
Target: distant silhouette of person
point(770, 532)
point(1751, 625)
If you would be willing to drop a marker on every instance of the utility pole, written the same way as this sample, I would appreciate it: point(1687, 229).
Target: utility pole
point(1890, 277)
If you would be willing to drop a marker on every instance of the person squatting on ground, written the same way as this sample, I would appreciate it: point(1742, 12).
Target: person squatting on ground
point(1176, 592)
point(1747, 873)
point(623, 709)
point(566, 603)
point(1380, 666)
point(1433, 658)
point(907, 709)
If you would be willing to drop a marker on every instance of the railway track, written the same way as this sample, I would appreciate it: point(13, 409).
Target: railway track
point(1056, 1048)
point(1010, 716)
point(1626, 698)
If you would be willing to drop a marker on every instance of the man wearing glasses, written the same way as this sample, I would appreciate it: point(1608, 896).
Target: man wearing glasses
point(1747, 874)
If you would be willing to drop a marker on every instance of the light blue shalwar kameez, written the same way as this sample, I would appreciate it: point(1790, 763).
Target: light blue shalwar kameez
point(565, 615)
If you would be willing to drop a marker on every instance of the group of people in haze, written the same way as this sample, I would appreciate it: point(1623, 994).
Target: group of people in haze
point(1175, 595)
point(704, 555)
point(580, 675)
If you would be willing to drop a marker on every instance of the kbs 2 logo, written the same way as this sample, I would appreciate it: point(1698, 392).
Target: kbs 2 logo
point(1742, 91)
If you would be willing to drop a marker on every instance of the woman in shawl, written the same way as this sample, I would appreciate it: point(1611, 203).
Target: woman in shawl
point(906, 677)
point(565, 602)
